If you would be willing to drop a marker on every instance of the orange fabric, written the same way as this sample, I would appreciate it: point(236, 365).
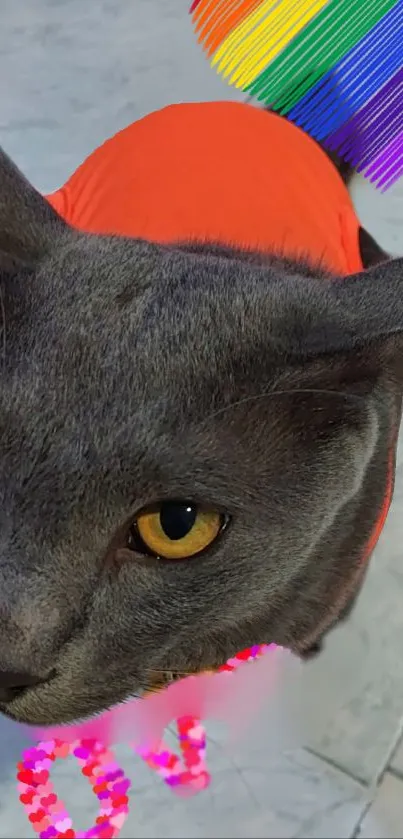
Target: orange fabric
point(217, 171)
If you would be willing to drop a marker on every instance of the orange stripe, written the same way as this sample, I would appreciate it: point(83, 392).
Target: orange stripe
point(204, 11)
point(213, 13)
point(218, 25)
point(231, 21)
point(209, 12)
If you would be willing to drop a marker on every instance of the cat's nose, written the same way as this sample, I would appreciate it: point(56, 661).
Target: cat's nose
point(11, 684)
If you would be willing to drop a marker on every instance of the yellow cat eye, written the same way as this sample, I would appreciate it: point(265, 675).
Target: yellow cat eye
point(177, 530)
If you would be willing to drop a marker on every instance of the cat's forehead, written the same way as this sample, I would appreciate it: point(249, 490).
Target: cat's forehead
point(127, 314)
point(125, 348)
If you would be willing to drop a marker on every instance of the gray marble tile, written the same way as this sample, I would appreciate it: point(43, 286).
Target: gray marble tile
point(381, 213)
point(397, 760)
point(399, 458)
point(296, 796)
point(73, 73)
point(251, 794)
point(362, 733)
point(384, 819)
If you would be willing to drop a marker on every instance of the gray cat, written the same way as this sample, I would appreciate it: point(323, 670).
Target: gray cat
point(230, 389)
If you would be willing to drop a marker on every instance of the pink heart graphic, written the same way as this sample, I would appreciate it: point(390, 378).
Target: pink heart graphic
point(185, 775)
point(48, 815)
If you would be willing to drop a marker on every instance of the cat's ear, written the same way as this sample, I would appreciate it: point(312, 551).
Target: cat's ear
point(28, 224)
point(366, 310)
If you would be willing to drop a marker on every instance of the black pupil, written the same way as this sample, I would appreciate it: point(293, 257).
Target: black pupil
point(177, 520)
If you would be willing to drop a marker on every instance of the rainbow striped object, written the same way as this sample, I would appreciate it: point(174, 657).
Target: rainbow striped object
point(334, 67)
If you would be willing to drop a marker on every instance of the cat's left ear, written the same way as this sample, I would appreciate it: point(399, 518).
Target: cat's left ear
point(29, 227)
point(366, 310)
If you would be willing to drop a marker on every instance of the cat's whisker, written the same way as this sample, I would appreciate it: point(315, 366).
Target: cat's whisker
point(274, 393)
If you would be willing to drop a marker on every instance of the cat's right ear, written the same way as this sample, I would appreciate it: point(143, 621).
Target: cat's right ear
point(29, 227)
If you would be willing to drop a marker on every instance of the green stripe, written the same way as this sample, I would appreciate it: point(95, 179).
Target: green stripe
point(332, 33)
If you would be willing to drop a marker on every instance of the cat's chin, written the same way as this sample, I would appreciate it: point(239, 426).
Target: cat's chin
point(9, 716)
point(12, 713)
point(16, 716)
point(25, 709)
point(312, 652)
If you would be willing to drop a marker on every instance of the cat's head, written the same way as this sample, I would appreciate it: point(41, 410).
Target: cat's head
point(150, 393)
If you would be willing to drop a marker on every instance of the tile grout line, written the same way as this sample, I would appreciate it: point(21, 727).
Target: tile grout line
point(382, 769)
point(357, 829)
point(397, 773)
point(373, 787)
point(385, 766)
point(335, 765)
point(370, 789)
point(387, 770)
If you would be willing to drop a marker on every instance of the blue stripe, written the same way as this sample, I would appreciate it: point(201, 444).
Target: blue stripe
point(324, 109)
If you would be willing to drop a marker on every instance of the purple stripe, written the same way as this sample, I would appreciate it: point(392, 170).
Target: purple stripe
point(390, 153)
point(387, 166)
point(388, 180)
point(383, 135)
point(375, 136)
point(377, 131)
point(359, 132)
point(380, 146)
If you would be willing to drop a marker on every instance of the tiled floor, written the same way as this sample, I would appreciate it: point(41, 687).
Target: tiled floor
point(71, 73)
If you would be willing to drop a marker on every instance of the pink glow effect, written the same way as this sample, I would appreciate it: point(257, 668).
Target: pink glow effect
point(143, 721)
point(234, 695)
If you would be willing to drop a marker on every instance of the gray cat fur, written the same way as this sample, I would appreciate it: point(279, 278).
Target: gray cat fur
point(133, 372)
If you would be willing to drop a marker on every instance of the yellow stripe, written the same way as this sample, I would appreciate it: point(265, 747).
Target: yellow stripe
point(255, 42)
point(287, 24)
point(268, 39)
point(232, 44)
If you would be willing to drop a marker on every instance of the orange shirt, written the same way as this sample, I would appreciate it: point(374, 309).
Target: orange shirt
point(217, 171)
